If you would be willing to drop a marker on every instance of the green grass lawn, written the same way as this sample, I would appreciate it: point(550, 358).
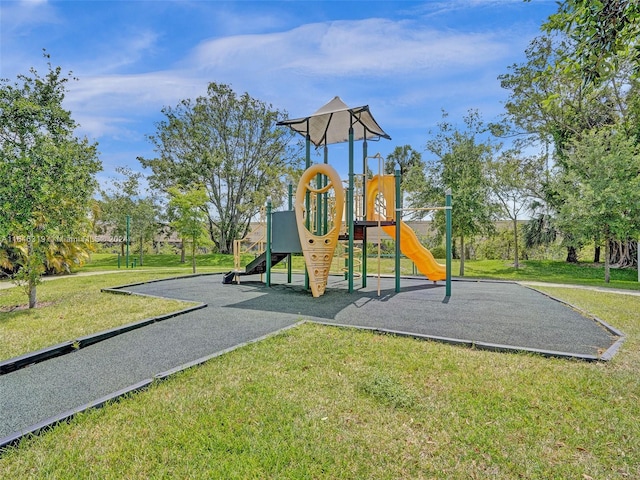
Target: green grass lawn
point(210, 262)
point(73, 307)
point(322, 402)
point(532, 270)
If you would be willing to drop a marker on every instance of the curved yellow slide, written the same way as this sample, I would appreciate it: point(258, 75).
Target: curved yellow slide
point(421, 256)
point(409, 243)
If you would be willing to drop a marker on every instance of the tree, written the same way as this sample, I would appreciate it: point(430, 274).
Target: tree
point(550, 105)
point(601, 187)
point(411, 166)
point(60, 255)
point(126, 198)
point(603, 32)
point(189, 214)
point(230, 145)
point(48, 174)
point(513, 180)
point(461, 161)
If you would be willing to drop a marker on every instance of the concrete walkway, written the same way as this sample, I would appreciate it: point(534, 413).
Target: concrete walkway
point(492, 315)
point(582, 287)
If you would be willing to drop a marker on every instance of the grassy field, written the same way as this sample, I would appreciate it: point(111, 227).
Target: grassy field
point(533, 270)
point(322, 402)
point(72, 307)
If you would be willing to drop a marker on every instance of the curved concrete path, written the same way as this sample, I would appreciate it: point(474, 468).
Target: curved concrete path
point(494, 315)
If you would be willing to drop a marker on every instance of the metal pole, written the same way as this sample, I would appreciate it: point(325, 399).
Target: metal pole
point(319, 216)
point(268, 252)
point(325, 197)
point(398, 218)
point(127, 257)
point(448, 242)
point(350, 212)
point(347, 255)
point(307, 198)
point(290, 257)
point(364, 211)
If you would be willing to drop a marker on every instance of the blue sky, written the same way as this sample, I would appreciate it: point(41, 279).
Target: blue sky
point(407, 60)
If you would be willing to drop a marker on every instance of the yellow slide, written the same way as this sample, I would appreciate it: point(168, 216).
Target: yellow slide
point(421, 256)
point(409, 243)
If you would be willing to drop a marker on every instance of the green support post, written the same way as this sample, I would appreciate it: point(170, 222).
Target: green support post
point(319, 216)
point(290, 257)
point(448, 242)
point(268, 251)
point(350, 213)
point(398, 218)
point(127, 239)
point(364, 211)
point(325, 196)
point(307, 199)
point(347, 256)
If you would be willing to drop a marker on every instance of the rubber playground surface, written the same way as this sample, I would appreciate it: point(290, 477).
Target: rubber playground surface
point(498, 316)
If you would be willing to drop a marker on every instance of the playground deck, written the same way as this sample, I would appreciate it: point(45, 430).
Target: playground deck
point(493, 315)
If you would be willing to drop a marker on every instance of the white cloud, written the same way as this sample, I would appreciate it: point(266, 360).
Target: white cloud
point(110, 104)
point(372, 47)
point(21, 16)
point(125, 50)
point(112, 92)
point(432, 8)
point(412, 70)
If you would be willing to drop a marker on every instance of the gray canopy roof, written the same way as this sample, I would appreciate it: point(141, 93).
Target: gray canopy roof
point(330, 124)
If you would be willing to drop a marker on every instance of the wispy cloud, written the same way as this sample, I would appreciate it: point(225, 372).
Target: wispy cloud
point(407, 63)
point(369, 47)
point(108, 104)
point(303, 66)
point(127, 49)
point(439, 7)
point(21, 16)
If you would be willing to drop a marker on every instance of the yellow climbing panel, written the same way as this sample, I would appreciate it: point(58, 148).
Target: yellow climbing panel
point(318, 249)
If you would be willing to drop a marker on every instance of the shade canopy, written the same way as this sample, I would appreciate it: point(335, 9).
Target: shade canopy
point(330, 124)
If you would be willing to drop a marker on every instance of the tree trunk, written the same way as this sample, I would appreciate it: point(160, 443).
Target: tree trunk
point(572, 255)
point(516, 263)
point(32, 293)
point(193, 254)
point(31, 274)
point(462, 254)
point(607, 263)
point(596, 254)
point(141, 249)
point(182, 254)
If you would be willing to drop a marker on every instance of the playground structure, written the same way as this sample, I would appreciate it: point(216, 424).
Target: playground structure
point(318, 221)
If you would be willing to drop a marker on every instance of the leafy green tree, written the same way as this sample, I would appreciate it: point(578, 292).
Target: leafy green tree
point(188, 211)
point(229, 144)
point(550, 105)
point(126, 197)
point(411, 166)
point(461, 165)
point(513, 181)
point(48, 174)
point(60, 254)
point(603, 32)
point(601, 187)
